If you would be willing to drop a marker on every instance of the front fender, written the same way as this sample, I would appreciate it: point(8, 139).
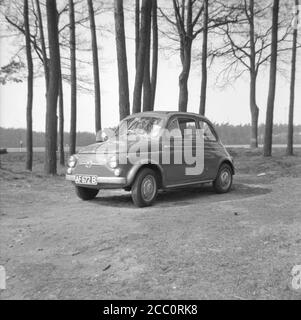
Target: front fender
point(136, 167)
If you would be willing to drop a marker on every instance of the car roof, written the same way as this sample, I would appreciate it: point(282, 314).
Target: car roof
point(166, 114)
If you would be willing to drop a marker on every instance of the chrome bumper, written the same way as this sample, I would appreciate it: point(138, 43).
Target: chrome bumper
point(104, 180)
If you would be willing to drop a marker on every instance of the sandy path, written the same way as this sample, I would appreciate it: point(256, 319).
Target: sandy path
point(191, 244)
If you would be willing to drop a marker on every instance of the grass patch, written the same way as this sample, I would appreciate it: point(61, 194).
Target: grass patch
point(12, 166)
point(252, 162)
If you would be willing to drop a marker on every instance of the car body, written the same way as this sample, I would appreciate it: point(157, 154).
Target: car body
point(98, 166)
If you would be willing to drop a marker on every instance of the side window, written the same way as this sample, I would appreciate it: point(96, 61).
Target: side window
point(187, 127)
point(208, 134)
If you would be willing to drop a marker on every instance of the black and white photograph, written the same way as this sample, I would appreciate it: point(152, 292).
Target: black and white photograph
point(150, 150)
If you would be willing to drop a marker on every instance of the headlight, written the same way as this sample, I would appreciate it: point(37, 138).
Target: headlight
point(113, 163)
point(72, 161)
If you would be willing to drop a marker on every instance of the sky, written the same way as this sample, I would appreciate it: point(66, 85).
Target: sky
point(227, 105)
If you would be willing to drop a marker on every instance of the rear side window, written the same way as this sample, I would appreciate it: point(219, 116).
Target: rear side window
point(208, 133)
point(187, 127)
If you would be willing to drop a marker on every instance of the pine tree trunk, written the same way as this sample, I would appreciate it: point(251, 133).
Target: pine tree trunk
point(145, 26)
point(290, 135)
point(183, 78)
point(147, 90)
point(73, 79)
point(29, 149)
point(124, 101)
point(43, 45)
point(204, 59)
point(254, 112)
point(53, 89)
point(61, 123)
point(268, 139)
point(155, 52)
point(253, 80)
point(185, 49)
point(137, 29)
point(95, 68)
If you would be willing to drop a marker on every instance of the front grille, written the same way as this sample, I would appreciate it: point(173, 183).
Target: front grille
point(95, 159)
point(100, 171)
point(93, 164)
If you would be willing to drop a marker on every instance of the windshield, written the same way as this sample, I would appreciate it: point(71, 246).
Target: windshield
point(148, 126)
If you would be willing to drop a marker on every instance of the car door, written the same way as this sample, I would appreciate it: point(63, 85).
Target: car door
point(211, 151)
point(171, 150)
point(176, 172)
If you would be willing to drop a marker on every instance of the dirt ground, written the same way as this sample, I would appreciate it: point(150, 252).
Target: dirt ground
point(192, 244)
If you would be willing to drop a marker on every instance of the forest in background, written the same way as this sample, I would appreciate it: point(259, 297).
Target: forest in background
point(230, 135)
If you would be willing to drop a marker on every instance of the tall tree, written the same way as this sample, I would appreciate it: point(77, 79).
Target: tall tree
point(186, 26)
point(184, 22)
point(253, 76)
point(154, 52)
point(268, 138)
point(61, 121)
point(61, 110)
point(186, 37)
point(290, 135)
point(73, 78)
point(42, 40)
point(124, 101)
point(143, 39)
point(147, 90)
point(246, 48)
point(204, 58)
point(29, 89)
point(53, 89)
point(95, 67)
point(137, 29)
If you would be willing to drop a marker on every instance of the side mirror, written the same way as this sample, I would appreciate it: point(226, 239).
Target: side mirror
point(101, 136)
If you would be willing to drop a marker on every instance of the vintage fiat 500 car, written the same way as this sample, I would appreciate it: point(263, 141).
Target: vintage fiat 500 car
point(152, 151)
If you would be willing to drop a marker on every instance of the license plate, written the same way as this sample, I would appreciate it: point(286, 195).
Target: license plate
point(89, 180)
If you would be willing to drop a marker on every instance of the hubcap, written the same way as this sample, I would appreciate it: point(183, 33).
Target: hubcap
point(225, 179)
point(148, 188)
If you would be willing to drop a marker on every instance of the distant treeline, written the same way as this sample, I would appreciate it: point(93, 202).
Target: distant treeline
point(10, 138)
point(241, 134)
point(230, 134)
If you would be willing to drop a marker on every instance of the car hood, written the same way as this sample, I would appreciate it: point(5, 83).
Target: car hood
point(114, 145)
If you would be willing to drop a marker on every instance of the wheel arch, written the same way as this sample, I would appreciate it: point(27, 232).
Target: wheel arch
point(138, 167)
point(229, 162)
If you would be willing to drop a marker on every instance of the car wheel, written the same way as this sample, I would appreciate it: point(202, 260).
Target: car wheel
point(86, 193)
point(224, 179)
point(145, 188)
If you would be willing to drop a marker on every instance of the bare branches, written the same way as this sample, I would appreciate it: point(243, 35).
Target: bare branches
point(248, 39)
point(196, 19)
point(33, 39)
point(180, 18)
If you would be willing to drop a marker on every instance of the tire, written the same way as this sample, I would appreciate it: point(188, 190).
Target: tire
point(86, 193)
point(145, 188)
point(224, 179)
